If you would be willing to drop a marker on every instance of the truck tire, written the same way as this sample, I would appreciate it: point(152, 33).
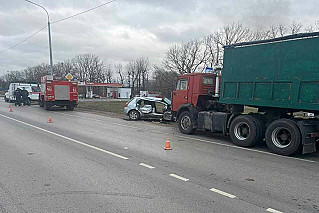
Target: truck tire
point(185, 123)
point(260, 120)
point(47, 106)
point(134, 115)
point(245, 131)
point(283, 137)
point(70, 107)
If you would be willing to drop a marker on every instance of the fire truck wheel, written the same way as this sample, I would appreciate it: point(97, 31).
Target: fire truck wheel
point(185, 123)
point(70, 107)
point(134, 115)
point(283, 137)
point(245, 131)
point(47, 106)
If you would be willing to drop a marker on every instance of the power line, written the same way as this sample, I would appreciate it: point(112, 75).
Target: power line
point(24, 39)
point(83, 12)
point(54, 23)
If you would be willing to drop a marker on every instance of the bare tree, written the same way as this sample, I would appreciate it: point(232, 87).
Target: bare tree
point(165, 81)
point(61, 69)
point(88, 67)
point(295, 27)
point(119, 70)
point(282, 29)
point(310, 29)
point(108, 73)
point(186, 57)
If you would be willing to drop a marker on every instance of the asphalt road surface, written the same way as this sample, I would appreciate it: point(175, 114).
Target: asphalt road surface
point(85, 162)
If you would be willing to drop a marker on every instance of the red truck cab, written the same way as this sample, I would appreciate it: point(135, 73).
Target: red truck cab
point(194, 89)
point(58, 93)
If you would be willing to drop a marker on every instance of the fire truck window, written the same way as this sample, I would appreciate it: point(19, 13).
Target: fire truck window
point(208, 80)
point(182, 84)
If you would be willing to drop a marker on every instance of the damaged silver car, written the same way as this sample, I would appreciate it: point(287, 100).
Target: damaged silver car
point(147, 107)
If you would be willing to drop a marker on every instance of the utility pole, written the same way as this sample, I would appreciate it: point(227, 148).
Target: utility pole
point(50, 46)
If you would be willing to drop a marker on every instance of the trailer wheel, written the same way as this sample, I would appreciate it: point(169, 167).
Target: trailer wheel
point(70, 107)
point(283, 137)
point(246, 131)
point(134, 115)
point(47, 106)
point(185, 123)
point(259, 119)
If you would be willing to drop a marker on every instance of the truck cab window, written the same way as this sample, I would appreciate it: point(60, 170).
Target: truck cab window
point(182, 84)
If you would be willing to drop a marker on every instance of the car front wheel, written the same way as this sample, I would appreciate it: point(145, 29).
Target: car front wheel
point(134, 115)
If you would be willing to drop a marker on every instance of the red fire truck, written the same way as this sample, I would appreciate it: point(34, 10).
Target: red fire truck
point(58, 93)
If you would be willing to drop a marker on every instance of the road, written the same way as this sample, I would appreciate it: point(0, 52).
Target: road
point(85, 162)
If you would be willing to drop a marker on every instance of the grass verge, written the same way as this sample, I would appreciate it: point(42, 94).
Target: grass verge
point(105, 106)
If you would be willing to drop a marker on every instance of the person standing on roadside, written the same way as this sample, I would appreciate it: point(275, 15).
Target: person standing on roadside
point(25, 96)
point(17, 94)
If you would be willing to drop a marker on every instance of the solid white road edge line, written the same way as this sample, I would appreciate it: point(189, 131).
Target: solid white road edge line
point(222, 193)
point(67, 138)
point(179, 177)
point(198, 139)
point(273, 210)
point(147, 166)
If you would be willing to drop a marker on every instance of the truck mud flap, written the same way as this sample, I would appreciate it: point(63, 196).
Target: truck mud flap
point(307, 128)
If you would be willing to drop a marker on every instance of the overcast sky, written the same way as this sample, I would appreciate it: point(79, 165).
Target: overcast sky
point(127, 29)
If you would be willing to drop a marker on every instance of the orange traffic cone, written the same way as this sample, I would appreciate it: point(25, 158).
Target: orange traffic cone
point(168, 145)
point(50, 120)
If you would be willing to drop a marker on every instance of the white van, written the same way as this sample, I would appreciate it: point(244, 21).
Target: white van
point(33, 89)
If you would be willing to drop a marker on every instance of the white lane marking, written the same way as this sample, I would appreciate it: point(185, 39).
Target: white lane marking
point(147, 166)
point(273, 210)
point(222, 193)
point(67, 138)
point(243, 148)
point(179, 177)
point(198, 139)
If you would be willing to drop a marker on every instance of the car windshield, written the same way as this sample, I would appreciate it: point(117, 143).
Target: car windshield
point(36, 89)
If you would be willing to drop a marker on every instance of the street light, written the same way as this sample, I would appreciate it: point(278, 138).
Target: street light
point(51, 63)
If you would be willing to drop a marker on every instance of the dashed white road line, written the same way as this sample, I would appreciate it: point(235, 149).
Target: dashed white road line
point(147, 166)
point(273, 210)
point(179, 177)
point(70, 139)
point(222, 193)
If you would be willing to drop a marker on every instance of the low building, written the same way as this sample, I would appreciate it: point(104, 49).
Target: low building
point(110, 90)
point(119, 92)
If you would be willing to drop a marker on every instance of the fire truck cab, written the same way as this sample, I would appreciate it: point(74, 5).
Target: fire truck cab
point(58, 93)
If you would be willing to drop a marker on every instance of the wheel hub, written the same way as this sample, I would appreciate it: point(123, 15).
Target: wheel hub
point(241, 131)
point(281, 137)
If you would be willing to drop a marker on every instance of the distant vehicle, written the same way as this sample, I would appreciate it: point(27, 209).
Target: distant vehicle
point(58, 93)
point(96, 96)
point(6, 97)
point(146, 107)
point(33, 89)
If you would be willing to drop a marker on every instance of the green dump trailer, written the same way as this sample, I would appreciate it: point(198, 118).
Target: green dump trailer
point(279, 77)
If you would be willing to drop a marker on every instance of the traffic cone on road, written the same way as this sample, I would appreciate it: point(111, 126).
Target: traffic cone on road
point(168, 145)
point(10, 108)
point(50, 120)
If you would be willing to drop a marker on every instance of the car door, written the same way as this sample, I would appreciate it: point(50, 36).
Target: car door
point(180, 95)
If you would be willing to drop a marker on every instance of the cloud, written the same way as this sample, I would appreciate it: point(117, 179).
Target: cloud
point(127, 29)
